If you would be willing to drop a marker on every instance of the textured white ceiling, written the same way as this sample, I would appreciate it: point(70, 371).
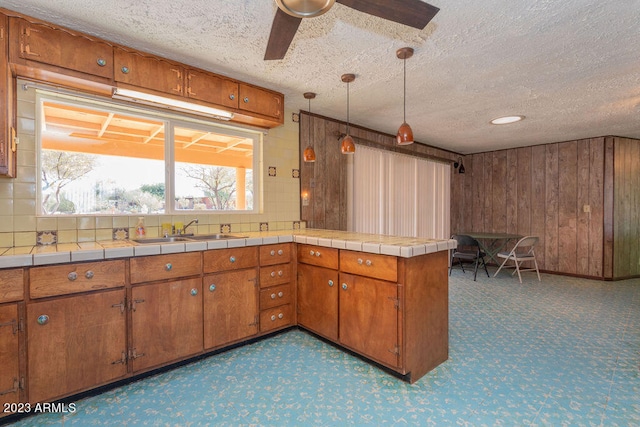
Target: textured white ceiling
point(571, 67)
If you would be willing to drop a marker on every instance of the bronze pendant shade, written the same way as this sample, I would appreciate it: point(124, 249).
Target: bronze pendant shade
point(405, 134)
point(348, 146)
point(309, 154)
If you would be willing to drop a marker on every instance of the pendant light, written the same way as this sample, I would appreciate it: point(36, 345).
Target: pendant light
point(405, 134)
point(348, 146)
point(309, 154)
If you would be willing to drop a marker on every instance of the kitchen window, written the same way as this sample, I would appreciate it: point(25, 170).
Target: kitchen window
point(104, 157)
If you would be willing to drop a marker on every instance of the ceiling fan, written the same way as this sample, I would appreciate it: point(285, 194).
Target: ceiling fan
point(414, 13)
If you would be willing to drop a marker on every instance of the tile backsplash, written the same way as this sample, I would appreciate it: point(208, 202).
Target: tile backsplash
point(21, 226)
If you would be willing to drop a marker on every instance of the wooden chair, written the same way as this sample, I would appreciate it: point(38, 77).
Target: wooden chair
point(468, 250)
point(521, 252)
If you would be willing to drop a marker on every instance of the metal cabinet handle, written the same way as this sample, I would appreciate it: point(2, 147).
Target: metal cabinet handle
point(246, 99)
point(330, 283)
point(273, 296)
point(280, 316)
point(312, 253)
point(280, 273)
point(212, 288)
point(273, 274)
point(368, 262)
point(194, 292)
point(280, 252)
point(272, 253)
point(280, 294)
point(125, 70)
point(43, 319)
point(101, 62)
point(72, 276)
point(168, 266)
point(273, 317)
point(232, 96)
point(88, 274)
point(344, 286)
point(317, 253)
point(360, 261)
point(232, 259)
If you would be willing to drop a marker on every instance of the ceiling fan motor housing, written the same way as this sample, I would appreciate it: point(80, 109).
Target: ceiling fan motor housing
point(305, 8)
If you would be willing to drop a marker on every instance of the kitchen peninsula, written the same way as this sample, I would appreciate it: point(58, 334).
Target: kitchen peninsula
point(84, 315)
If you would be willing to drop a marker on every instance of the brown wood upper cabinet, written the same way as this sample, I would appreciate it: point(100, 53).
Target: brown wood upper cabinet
point(63, 48)
point(211, 88)
point(261, 101)
point(147, 71)
point(7, 146)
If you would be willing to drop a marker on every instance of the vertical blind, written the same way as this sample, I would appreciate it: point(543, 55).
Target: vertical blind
point(397, 194)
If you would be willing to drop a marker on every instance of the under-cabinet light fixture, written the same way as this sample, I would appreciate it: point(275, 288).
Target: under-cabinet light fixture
point(506, 120)
point(170, 103)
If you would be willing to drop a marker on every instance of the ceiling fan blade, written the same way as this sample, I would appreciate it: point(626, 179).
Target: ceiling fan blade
point(283, 29)
point(413, 13)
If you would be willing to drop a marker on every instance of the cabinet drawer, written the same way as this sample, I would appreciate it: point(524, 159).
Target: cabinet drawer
point(211, 88)
point(261, 101)
point(275, 275)
point(275, 296)
point(275, 254)
point(73, 278)
point(171, 266)
point(62, 48)
point(318, 255)
point(383, 267)
point(276, 317)
point(230, 259)
point(149, 72)
point(11, 285)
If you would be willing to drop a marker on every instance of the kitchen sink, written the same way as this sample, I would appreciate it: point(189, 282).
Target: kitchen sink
point(153, 240)
point(215, 236)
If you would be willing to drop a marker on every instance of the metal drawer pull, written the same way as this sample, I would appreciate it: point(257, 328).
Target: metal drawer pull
point(101, 62)
point(368, 262)
point(232, 96)
point(273, 274)
point(272, 252)
point(273, 317)
point(72, 276)
point(312, 253)
point(88, 274)
point(168, 266)
point(360, 261)
point(246, 99)
point(232, 259)
point(194, 292)
point(344, 286)
point(280, 273)
point(43, 319)
point(212, 288)
point(273, 296)
point(330, 282)
point(280, 294)
point(280, 252)
point(125, 70)
point(280, 316)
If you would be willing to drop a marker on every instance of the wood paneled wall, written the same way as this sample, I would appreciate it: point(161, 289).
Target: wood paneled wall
point(626, 209)
point(325, 180)
point(564, 194)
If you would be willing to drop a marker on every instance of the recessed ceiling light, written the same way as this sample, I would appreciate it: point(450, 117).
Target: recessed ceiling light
point(506, 120)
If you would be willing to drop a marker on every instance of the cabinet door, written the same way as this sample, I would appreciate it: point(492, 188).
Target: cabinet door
point(11, 285)
point(63, 48)
point(369, 318)
point(211, 88)
point(9, 353)
point(230, 307)
point(7, 148)
point(261, 101)
point(75, 343)
point(148, 72)
point(166, 322)
point(318, 300)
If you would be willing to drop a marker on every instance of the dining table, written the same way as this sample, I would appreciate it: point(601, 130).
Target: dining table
point(492, 243)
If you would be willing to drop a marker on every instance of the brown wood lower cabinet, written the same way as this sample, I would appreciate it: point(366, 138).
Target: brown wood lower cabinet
point(75, 343)
point(9, 354)
point(230, 307)
point(369, 317)
point(318, 300)
point(166, 322)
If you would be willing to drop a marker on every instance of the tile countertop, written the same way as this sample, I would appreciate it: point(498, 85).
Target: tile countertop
point(406, 247)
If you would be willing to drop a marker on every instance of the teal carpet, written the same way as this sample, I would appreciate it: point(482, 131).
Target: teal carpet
point(561, 352)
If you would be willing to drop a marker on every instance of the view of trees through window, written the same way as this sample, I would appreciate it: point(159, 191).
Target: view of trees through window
point(107, 162)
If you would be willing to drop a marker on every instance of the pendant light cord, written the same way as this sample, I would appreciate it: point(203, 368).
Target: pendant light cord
point(347, 108)
point(404, 106)
point(309, 124)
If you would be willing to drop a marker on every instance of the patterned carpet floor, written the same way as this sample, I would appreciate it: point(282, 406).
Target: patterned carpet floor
point(561, 352)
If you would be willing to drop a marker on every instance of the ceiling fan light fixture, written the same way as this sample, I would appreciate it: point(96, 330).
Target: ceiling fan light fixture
point(405, 134)
point(309, 154)
point(305, 8)
point(506, 120)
